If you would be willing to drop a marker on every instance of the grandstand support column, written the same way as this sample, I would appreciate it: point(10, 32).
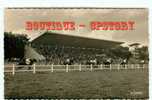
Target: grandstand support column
point(67, 68)
point(52, 68)
point(91, 67)
point(80, 67)
point(13, 69)
point(34, 69)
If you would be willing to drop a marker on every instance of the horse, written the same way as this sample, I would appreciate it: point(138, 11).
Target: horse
point(123, 63)
point(107, 63)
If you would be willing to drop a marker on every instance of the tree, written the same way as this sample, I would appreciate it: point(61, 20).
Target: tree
point(143, 53)
point(121, 52)
point(14, 45)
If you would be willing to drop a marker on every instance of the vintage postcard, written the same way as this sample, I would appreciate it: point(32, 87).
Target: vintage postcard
point(76, 53)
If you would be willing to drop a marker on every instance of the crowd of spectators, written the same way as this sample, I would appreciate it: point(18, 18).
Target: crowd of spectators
point(74, 55)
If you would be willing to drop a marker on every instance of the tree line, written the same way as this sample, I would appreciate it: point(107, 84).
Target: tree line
point(14, 45)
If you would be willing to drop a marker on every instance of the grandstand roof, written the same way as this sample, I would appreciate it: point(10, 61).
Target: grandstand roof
point(49, 38)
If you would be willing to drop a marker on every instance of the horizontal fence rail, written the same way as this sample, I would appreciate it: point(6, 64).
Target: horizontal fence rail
point(66, 68)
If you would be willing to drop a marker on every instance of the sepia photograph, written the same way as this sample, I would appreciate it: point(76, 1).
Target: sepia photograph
point(76, 53)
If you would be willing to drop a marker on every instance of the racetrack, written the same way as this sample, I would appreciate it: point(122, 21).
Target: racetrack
point(130, 83)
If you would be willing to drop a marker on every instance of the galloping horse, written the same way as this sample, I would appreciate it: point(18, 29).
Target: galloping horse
point(26, 62)
point(123, 63)
point(107, 62)
point(68, 62)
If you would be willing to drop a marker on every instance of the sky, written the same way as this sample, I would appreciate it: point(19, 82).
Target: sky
point(14, 21)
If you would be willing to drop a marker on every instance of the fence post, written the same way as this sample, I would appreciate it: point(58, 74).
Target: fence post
point(118, 66)
point(80, 67)
point(110, 66)
point(132, 66)
point(34, 69)
point(126, 66)
point(143, 66)
point(52, 68)
point(91, 67)
point(13, 70)
point(101, 66)
point(129, 66)
point(135, 66)
point(138, 66)
point(67, 68)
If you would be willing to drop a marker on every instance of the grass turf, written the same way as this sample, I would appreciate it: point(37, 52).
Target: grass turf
point(96, 84)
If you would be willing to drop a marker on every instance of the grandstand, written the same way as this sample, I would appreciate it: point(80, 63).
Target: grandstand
point(57, 48)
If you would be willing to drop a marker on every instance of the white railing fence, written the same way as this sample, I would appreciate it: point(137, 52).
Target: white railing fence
point(66, 68)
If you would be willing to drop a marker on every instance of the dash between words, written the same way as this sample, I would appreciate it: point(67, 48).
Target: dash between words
point(70, 25)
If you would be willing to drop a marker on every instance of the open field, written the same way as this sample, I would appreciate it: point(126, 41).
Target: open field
point(130, 83)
